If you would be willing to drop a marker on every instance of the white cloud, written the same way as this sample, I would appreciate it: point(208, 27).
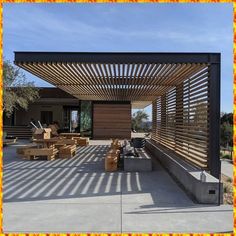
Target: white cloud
point(41, 24)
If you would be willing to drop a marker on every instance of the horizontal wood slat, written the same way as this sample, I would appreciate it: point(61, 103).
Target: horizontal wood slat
point(181, 119)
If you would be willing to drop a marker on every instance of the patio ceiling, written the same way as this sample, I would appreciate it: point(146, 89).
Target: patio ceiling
point(136, 77)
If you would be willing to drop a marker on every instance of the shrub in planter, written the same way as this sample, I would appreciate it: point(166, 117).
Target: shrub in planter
point(228, 157)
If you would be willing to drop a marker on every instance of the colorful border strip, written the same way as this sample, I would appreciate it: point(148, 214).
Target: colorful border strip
point(111, 1)
point(1, 116)
point(234, 112)
point(118, 1)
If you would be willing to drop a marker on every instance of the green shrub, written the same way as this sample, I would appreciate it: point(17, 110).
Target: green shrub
point(229, 180)
point(227, 188)
point(227, 156)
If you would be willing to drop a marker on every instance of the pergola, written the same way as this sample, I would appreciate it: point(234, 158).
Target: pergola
point(183, 88)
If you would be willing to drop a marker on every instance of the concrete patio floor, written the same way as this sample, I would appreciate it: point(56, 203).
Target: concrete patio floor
point(77, 195)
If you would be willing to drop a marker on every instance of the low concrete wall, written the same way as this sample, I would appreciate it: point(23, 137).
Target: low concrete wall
point(187, 175)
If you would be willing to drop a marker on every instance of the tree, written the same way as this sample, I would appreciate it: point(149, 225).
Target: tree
point(227, 118)
point(226, 130)
point(17, 91)
point(138, 120)
point(226, 135)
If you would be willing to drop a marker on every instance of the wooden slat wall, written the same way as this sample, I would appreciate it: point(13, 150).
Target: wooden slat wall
point(111, 121)
point(181, 119)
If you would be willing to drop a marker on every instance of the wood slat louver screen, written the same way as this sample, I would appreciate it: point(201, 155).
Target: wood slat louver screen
point(113, 82)
point(182, 118)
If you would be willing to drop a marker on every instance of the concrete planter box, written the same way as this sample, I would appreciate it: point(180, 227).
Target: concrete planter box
point(188, 176)
point(141, 162)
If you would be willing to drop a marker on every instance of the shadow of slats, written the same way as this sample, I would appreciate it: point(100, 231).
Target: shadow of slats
point(83, 176)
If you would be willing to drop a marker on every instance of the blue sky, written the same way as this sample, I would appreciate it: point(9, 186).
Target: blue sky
point(123, 27)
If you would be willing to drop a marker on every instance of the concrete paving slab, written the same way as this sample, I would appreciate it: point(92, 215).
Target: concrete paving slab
point(199, 219)
point(93, 199)
point(77, 195)
point(100, 142)
point(139, 182)
point(157, 198)
point(79, 185)
point(61, 217)
point(159, 190)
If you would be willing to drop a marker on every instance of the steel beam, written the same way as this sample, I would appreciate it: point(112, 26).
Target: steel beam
point(214, 119)
point(114, 57)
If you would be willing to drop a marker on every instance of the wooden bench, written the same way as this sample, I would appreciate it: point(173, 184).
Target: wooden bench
point(64, 141)
point(111, 159)
point(9, 141)
point(20, 151)
point(81, 141)
point(111, 163)
point(69, 135)
point(115, 144)
point(67, 151)
point(32, 153)
point(113, 152)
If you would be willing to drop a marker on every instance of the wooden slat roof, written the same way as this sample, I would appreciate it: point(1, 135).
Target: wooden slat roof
point(134, 77)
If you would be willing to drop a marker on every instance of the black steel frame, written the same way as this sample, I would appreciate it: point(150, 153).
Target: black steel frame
point(116, 57)
point(214, 119)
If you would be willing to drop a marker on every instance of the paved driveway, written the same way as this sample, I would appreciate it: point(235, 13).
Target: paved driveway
point(227, 168)
point(76, 195)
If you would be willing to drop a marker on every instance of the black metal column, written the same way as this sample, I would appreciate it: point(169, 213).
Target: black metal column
point(163, 111)
point(92, 110)
point(179, 119)
point(79, 111)
point(214, 116)
point(154, 120)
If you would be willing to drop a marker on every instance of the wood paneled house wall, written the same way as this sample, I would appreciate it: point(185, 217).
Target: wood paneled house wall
point(111, 120)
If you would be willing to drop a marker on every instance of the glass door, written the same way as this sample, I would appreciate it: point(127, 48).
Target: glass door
point(86, 118)
point(71, 119)
point(74, 121)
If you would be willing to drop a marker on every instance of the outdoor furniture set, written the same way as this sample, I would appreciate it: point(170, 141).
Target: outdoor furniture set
point(9, 140)
point(62, 146)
